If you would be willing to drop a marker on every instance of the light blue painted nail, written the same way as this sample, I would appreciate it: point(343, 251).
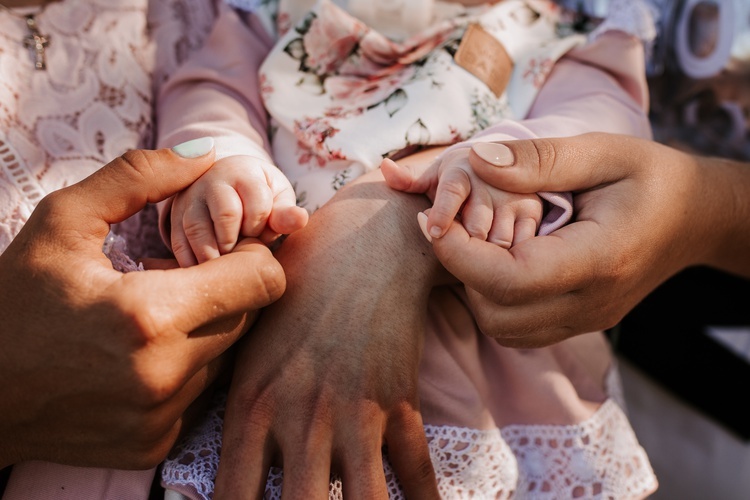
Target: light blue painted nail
point(195, 148)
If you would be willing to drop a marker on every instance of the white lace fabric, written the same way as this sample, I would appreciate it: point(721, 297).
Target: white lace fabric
point(597, 458)
point(93, 102)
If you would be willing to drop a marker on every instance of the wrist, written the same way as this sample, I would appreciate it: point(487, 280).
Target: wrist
point(727, 184)
point(368, 236)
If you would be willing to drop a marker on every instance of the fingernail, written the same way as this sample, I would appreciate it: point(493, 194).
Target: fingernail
point(422, 219)
point(493, 153)
point(195, 148)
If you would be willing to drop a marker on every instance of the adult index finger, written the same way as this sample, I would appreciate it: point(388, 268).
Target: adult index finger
point(558, 164)
point(186, 299)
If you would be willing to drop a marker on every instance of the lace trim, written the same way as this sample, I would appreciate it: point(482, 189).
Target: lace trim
point(468, 463)
point(13, 164)
point(19, 192)
point(599, 457)
point(596, 458)
point(93, 103)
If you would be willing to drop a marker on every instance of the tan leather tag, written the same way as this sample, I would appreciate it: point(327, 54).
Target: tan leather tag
point(484, 56)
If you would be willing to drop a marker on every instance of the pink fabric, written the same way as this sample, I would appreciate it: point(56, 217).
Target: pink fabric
point(468, 380)
point(44, 480)
point(226, 104)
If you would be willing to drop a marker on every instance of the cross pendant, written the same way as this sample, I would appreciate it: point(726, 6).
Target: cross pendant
point(36, 42)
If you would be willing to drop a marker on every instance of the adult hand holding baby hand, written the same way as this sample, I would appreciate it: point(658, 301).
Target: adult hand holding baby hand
point(643, 212)
point(97, 366)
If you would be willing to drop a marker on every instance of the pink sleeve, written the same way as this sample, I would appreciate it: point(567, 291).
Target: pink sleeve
point(600, 87)
point(597, 87)
point(217, 93)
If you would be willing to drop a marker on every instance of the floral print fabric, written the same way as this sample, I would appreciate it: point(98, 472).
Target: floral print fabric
point(343, 96)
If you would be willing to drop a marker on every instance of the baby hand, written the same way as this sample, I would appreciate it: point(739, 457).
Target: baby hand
point(239, 196)
point(485, 212)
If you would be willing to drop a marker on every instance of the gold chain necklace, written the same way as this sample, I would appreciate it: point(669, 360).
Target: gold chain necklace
point(35, 40)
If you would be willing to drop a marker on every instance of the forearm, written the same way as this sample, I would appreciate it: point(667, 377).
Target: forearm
point(724, 214)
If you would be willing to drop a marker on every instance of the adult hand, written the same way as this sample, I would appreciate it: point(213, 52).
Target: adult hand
point(97, 366)
point(329, 374)
point(643, 212)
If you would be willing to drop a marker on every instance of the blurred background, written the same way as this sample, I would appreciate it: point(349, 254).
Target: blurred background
point(685, 351)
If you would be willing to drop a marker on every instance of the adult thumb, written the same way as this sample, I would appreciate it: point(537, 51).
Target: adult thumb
point(127, 184)
point(557, 164)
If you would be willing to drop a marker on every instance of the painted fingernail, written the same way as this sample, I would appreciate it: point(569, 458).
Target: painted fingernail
point(422, 219)
point(195, 148)
point(493, 153)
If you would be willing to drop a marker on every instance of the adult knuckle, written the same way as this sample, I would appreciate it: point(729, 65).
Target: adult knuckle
point(146, 332)
point(141, 321)
point(158, 380)
point(486, 325)
point(364, 414)
point(259, 411)
point(157, 387)
point(546, 156)
point(422, 470)
point(138, 162)
point(51, 203)
point(406, 415)
point(51, 211)
point(504, 291)
point(137, 165)
point(270, 281)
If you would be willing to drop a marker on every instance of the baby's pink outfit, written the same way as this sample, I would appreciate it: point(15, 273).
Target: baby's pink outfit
point(501, 423)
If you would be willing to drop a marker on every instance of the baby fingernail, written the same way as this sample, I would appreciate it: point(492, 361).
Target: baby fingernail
point(493, 153)
point(422, 219)
point(195, 148)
